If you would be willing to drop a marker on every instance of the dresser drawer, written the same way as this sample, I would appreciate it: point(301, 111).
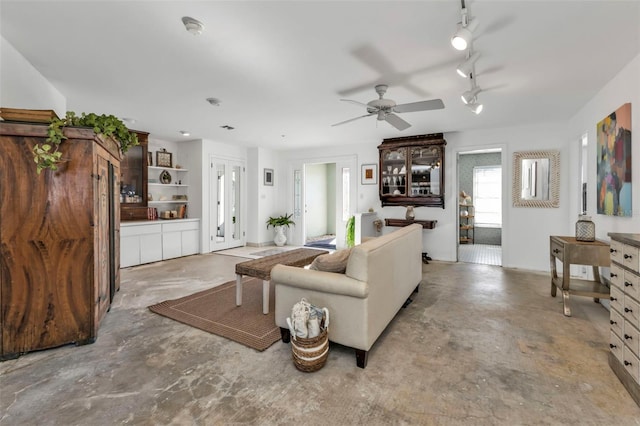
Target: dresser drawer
point(617, 322)
point(631, 257)
point(616, 248)
point(632, 285)
point(631, 338)
point(631, 311)
point(631, 364)
point(617, 299)
point(616, 346)
point(557, 249)
point(616, 275)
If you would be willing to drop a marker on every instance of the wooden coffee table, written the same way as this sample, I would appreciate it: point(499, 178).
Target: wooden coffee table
point(261, 268)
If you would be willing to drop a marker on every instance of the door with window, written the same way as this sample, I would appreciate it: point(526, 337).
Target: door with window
point(226, 218)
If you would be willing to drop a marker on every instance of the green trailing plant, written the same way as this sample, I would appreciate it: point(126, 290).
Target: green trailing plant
point(284, 220)
point(351, 232)
point(47, 155)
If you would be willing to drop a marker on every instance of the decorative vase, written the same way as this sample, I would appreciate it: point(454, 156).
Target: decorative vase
point(280, 238)
point(410, 215)
point(585, 229)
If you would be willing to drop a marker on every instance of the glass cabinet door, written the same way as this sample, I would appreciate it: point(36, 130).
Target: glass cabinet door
point(425, 171)
point(394, 172)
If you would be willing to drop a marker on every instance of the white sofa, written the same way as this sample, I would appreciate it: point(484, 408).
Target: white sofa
point(381, 275)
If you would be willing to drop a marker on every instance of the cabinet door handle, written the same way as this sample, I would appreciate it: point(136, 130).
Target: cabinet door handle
point(611, 345)
point(556, 251)
point(627, 362)
point(612, 322)
point(613, 275)
point(613, 299)
point(613, 251)
point(628, 310)
point(628, 284)
point(627, 337)
point(627, 256)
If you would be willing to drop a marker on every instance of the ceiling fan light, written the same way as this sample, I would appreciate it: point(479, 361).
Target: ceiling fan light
point(470, 95)
point(192, 25)
point(466, 68)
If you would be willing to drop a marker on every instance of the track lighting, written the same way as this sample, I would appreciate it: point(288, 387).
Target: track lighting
point(466, 68)
point(470, 95)
point(475, 107)
point(463, 36)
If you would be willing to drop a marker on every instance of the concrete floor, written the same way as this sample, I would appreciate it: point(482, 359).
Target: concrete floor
point(480, 345)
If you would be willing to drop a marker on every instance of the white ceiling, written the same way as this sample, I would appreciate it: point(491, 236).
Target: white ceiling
point(281, 67)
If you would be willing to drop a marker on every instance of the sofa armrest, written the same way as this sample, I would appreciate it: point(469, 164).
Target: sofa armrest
point(328, 282)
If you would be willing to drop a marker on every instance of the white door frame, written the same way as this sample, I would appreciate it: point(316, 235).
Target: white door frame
point(230, 240)
point(298, 236)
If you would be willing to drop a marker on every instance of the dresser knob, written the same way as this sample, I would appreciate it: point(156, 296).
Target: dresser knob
point(611, 345)
point(627, 256)
point(628, 284)
point(613, 275)
point(628, 310)
point(626, 336)
point(556, 251)
point(612, 322)
point(613, 251)
point(627, 362)
point(613, 299)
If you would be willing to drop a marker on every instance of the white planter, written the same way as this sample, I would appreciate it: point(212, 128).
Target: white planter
point(280, 238)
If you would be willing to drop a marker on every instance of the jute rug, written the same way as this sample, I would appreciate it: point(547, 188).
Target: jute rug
point(215, 311)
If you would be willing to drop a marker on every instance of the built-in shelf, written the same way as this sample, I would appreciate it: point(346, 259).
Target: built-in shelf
point(167, 184)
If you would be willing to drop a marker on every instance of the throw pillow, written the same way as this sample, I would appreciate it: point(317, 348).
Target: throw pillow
point(332, 262)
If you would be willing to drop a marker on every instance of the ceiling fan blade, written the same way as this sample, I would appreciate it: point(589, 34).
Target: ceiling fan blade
point(396, 121)
point(420, 106)
point(356, 103)
point(353, 119)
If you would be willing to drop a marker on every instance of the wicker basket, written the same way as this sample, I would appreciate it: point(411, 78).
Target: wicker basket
point(310, 354)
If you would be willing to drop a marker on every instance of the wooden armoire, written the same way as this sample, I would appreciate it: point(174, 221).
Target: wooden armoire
point(59, 239)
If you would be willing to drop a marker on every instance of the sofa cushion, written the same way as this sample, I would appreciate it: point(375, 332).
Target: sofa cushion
point(332, 262)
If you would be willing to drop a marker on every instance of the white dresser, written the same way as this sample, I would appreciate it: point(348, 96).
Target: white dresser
point(624, 357)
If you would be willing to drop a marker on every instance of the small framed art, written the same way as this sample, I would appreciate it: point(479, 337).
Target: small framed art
point(268, 177)
point(369, 174)
point(164, 158)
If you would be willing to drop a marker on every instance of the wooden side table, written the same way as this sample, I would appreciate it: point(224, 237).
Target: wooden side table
point(570, 251)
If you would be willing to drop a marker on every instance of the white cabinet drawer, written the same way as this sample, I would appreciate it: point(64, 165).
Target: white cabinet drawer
point(631, 257)
point(617, 322)
point(616, 275)
point(632, 285)
point(631, 311)
point(616, 346)
point(617, 299)
point(180, 226)
point(631, 338)
point(616, 248)
point(631, 363)
point(127, 231)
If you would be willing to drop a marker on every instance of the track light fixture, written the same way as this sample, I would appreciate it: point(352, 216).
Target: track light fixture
point(464, 34)
point(466, 68)
point(476, 108)
point(469, 96)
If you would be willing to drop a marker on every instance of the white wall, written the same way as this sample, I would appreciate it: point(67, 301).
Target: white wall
point(22, 86)
point(625, 87)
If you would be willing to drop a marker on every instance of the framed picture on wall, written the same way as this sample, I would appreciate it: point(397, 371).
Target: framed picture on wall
point(163, 158)
point(149, 158)
point(268, 177)
point(369, 174)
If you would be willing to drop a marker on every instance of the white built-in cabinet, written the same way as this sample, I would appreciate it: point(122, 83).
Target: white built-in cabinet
point(151, 241)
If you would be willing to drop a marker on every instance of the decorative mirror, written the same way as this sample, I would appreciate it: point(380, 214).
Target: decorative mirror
point(536, 179)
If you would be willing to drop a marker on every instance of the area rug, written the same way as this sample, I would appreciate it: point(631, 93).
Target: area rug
point(215, 311)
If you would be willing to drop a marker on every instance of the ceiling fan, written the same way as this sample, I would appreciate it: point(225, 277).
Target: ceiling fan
point(385, 109)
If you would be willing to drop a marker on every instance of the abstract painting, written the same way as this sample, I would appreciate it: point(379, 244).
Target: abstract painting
point(614, 163)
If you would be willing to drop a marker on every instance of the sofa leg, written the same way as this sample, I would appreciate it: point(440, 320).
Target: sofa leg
point(361, 358)
point(417, 289)
point(407, 302)
point(285, 334)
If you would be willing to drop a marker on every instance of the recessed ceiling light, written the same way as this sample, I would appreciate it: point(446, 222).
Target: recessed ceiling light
point(194, 26)
point(214, 101)
point(185, 133)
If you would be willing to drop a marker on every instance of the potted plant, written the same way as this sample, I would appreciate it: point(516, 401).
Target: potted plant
point(48, 156)
point(279, 223)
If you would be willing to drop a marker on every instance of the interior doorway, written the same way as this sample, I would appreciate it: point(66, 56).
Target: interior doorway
point(320, 205)
point(480, 206)
point(226, 215)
